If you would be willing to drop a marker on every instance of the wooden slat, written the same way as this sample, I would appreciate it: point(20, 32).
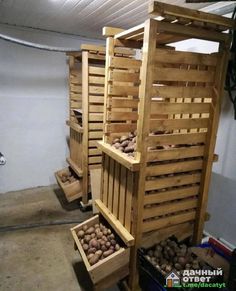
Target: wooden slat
point(123, 90)
point(163, 9)
point(96, 90)
point(96, 108)
point(92, 143)
point(123, 77)
point(179, 193)
point(171, 207)
point(94, 160)
point(119, 116)
point(96, 71)
point(181, 75)
point(105, 182)
point(95, 117)
point(124, 63)
point(128, 202)
point(165, 222)
point(115, 223)
point(176, 167)
point(129, 32)
point(96, 99)
point(96, 80)
point(123, 187)
point(111, 31)
point(178, 138)
point(94, 152)
point(175, 153)
point(177, 180)
point(123, 103)
point(171, 124)
point(95, 134)
point(179, 108)
point(95, 125)
point(116, 196)
point(120, 127)
point(111, 184)
point(189, 58)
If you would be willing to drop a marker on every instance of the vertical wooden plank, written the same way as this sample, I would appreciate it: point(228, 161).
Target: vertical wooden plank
point(85, 91)
point(105, 179)
point(129, 194)
point(122, 201)
point(111, 184)
point(116, 194)
point(109, 53)
point(211, 140)
point(145, 90)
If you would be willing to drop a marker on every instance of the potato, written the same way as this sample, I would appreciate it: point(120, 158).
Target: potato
point(90, 256)
point(157, 254)
point(113, 242)
point(85, 227)
point(129, 149)
point(96, 225)
point(112, 248)
point(93, 243)
point(87, 238)
point(93, 235)
point(103, 248)
point(94, 259)
point(111, 236)
point(90, 230)
point(105, 232)
point(177, 266)
point(124, 143)
point(116, 140)
point(182, 261)
point(108, 231)
point(116, 145)
point(99, 235)
point(117, 247)
point(104, 238)
point(123, 138)
point(85, 247)
point(108, 244)
point(92, 250)
point(82, 241)
point(102, 242)
point(121, 149)
point(108, 253)
point(168, 268)
point(99, 252)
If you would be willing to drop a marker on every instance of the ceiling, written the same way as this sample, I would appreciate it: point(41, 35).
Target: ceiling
point(79, 17)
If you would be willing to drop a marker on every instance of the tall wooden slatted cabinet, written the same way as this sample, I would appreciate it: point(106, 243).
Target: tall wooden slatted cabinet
point(172, 99)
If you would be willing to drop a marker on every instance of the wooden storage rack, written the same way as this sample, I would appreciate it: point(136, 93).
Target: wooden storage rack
point(173, 100)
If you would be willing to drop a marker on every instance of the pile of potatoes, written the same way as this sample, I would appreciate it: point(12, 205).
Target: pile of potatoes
point(168, 255)
point(98, 242)
point(126, 143)
point(67, 177)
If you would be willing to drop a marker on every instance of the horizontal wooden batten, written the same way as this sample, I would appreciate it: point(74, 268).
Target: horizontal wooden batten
point(96, 108)
point(178, 138)
point(96, 90)
point(182, 75)
point(188, 58)
point(96, 71)
point(168, 221)
point(119, 116)
point(95, 134)
point(171, 207)
point(185, 123)
point(124, 63)
point(95, 125)
point(123, 90)
point(168, 195)
point(115, 223)
point(96, 99)
point(94, 160)
point(179, 108)
point(123, 103)
point(174, 168)
point(95, 117)
point(120, 127)
point(175, 153)
point(123, 77)
point(94, 152)
point(177, 180)
point(73, 165)
point(96, 80)
point(74, 126)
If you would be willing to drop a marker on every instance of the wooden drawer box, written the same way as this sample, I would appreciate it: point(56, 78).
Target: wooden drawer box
point(116, 263)
point(72, 190)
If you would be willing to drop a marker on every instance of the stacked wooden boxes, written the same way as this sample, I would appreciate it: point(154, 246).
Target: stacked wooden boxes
point(172, 99)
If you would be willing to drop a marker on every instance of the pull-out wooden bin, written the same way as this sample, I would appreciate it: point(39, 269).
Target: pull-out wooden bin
point(104, 272)
point(172, 98)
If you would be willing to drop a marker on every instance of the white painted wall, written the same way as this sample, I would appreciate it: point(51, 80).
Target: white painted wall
point(34, 107)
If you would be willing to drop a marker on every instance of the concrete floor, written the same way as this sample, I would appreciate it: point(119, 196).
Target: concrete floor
point(34, 255)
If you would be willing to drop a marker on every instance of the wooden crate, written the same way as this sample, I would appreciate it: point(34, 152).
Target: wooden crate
point(173, 100)
point(117, 263)
point(73, 190)
point(87, 77)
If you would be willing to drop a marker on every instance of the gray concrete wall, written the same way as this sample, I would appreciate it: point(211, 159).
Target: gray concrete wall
point(34, 107)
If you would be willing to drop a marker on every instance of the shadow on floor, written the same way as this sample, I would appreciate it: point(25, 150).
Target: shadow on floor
point(69, 206)
point(82, 276)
